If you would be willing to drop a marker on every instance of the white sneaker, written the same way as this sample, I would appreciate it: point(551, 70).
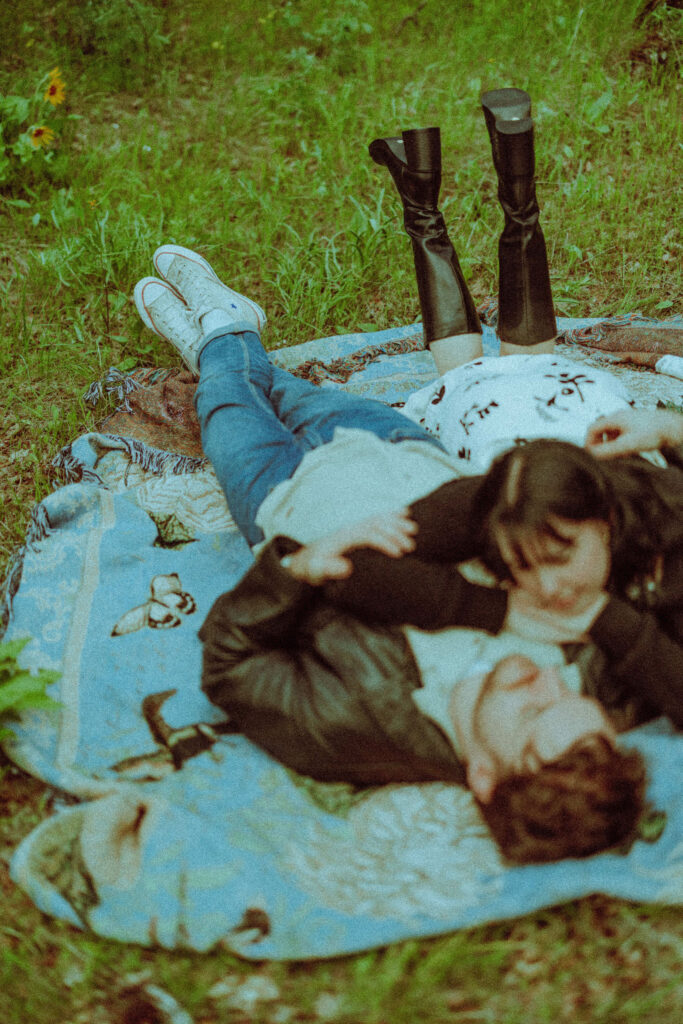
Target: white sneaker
point(197, 283)
point(165, 313)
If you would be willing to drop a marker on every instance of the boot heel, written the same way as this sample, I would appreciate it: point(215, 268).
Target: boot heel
point(388, 151)
point(506, 105)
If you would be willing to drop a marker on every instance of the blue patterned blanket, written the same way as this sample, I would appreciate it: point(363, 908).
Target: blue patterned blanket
point(186, 835)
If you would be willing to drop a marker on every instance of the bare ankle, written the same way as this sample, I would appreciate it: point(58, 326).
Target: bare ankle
point(455, 351)
point(539, 349)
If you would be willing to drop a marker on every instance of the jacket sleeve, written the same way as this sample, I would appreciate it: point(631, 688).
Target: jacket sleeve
point(674, 455)
point(317, 689)
point(643, 656)
point(425, 588)
point(644, 646)
point(445, 520)
point(253, 667)
point(412, 591)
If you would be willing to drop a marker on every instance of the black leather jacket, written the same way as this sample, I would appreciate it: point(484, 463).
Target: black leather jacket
point(315, 687)
point(330, 696)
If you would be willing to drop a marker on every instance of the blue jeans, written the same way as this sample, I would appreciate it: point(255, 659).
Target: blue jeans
point(258, 421)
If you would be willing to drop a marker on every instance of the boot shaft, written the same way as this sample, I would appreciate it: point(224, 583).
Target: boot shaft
point(414, 162)
point(525, 303)
point(511, 131)
point(423, 149)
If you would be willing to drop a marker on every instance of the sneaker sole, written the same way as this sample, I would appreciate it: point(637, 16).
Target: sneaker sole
point(194, 257)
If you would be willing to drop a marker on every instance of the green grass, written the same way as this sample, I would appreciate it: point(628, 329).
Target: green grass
point(242, 130)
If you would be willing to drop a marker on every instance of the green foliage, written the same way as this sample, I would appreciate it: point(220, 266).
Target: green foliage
point(661, 53)
point(124, 39)
point(29, 134)
point(19, 689)
point(336, 36)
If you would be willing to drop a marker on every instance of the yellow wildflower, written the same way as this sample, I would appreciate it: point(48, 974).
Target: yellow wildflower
point(41, 135)
point(56, 90)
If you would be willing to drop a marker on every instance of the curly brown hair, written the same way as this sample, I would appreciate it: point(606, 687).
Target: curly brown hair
point(588, 800)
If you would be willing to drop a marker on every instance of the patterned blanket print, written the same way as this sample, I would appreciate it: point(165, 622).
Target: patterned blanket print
point(178, 832)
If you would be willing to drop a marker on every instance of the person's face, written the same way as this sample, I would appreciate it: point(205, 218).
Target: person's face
point(526, 716)
point(563, 575)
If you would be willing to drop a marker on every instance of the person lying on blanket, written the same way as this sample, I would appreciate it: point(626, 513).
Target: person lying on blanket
point(330, 693)
point(478, 409)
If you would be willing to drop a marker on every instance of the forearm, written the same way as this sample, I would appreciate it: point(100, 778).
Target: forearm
point(446, 527)
point(412, 591)
point(424, 588)
point(262, 610)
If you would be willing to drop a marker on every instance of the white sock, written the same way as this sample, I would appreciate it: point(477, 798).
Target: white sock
point(671, 365)
point(215, 319)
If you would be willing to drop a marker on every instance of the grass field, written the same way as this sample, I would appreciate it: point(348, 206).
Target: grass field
point(241, 130)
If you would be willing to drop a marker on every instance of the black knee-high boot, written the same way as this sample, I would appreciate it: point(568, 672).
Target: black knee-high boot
point(525, 302)
point(414, 162)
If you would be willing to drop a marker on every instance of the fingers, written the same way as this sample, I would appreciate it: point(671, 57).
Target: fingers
point(394, 542)
point(392, 533)
point(398, 530)
point(606, 428)
point(611, 436)
point(608, 449)
point(315, 565)
point(327, 567)
point(634, 430)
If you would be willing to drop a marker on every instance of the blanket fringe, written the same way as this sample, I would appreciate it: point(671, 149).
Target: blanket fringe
point(595, 332)
point(152, 460)
point(115, 382)
point(10, 585)
point(158, 461)
point(38, 529)
point(72, 469)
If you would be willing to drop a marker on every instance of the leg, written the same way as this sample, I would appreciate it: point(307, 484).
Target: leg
point(526, 318)
point(258, 421)
point(451, 325)
point(455, 350)
point(250, 449)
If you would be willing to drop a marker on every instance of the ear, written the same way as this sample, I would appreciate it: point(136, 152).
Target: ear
point(481, 777)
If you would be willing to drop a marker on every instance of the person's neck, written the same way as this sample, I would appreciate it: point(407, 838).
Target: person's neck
point(461, 706)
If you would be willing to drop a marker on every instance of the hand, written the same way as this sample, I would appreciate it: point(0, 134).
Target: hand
point(634, 430)
point(533, 622)
point(392, 533)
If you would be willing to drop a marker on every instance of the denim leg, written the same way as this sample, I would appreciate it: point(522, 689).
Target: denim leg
point(313, 413)
point(257, 421)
